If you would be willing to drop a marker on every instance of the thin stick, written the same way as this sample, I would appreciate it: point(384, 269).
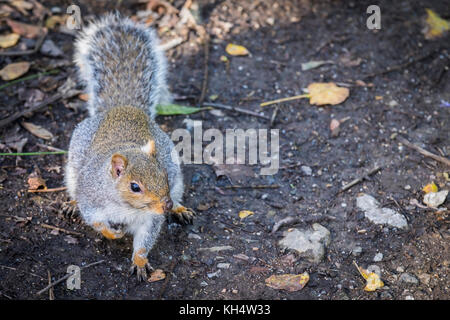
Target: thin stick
point(284, 100)
point(236, 109)
point(270, 186)
point(33, 76)
point(32, 153)
point(60, 229)
point(423, 151)
point(401, 65)
point(51, 285)
point(36, 48)
point(205, 73)
point(48, 190)
point(171, 44)
point(50, 148)
point(37, 107)
point(51, 294)
point(358, 180)
point(15, 269)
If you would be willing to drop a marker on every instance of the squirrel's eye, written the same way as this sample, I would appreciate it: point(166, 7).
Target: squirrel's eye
point(135, 187)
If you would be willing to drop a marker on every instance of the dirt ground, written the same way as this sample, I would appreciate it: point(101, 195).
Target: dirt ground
point(407, 101)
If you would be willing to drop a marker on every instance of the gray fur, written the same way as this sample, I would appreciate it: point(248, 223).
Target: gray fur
point(102, 54)
point(120, 63)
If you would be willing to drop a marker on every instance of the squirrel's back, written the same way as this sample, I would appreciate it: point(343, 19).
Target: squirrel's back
point(121, 65)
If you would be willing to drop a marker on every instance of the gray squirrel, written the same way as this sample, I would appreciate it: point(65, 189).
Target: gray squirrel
point(122, 170)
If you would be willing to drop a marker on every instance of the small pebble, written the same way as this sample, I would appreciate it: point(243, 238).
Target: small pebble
point(306, 170)
point(223, 265)
point(408, 278)
point(378, 257)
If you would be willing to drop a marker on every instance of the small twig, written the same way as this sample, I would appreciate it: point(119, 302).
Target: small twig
point(15, 269)
point(423, 151)
point(48, 190)
point(38, 106)
point(205, 73)
point(270, 186)
point(60, 229)
point(358, 180)
point(36, 48)
point(16, 154)
point(51, 294)
point(267, 103)
point(171, 44)
point(51, 285)
point(285, 221)
point(236, 109)
point(51, 148)
point(401, 65)
point(30, 77)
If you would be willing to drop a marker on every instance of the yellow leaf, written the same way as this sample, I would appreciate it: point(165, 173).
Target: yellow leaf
point(289, 282)
point(9, 40)
point(25, 30)
point(223, 58)
point(431, 187)
point(373, 280)
point(435, 25)
point(327, 93)
point(245, 213)
point(14, 70)
point(157, 275)
point(53, 21)
point(236, 50)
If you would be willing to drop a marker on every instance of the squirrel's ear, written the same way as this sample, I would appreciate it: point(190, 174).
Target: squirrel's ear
point(118, 165)
point(149, 148)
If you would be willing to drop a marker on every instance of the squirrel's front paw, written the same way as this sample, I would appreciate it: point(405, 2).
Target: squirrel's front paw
point(108, 232)
point(183, 215)
point(140, 265)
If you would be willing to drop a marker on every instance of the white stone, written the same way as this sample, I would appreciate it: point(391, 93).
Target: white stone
point(309, 243)
point(377, 215)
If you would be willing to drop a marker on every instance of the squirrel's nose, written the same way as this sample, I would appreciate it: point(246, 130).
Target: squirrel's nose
point(168, 204)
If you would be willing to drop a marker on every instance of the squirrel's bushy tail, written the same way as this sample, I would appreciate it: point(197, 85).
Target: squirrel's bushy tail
point(121, 65)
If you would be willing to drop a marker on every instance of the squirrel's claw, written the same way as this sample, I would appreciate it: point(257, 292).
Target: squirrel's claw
point(69, 208)
point(183, 215)
point(141, 272)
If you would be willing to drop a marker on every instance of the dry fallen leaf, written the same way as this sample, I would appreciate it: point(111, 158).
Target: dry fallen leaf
point(431, 187)
point(373, 281)
point(435, 25)
point(22, 6)
point(14, 70)
point(289, 282)
point(9, 40)
point(236, 50)
point(38, 131)
point(53, 21)
point(245, 213)
point(327, 93)
point(35, 182)
point(314, 64)
point(25, 30)
point(157, 275)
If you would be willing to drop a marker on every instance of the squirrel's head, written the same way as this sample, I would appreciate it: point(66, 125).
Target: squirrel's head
point(140, 179)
